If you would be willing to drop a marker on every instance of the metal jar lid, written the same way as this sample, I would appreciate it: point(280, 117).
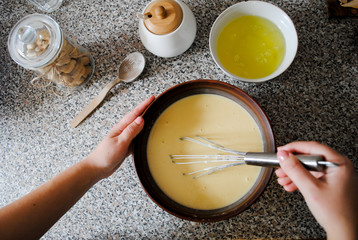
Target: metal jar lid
point(35, 41)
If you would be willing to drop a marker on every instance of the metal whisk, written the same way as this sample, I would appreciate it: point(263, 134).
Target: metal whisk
point(263, 159)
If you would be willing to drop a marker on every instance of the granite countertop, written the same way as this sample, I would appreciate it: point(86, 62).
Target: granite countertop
point(315, 99)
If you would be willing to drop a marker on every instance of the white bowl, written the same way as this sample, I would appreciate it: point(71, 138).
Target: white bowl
point(261, 9)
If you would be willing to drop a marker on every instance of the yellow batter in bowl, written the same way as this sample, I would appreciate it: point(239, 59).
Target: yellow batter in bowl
point(219, 119)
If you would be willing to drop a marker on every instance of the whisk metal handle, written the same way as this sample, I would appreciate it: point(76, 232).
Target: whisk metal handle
point(310, 162)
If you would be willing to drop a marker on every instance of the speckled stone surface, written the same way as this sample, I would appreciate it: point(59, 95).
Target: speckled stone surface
point(315, 99)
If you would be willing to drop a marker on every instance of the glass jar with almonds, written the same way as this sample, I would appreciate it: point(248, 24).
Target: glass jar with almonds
point(37, 43)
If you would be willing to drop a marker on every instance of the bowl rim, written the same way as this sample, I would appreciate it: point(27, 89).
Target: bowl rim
point(288, 59)
point(148, 182)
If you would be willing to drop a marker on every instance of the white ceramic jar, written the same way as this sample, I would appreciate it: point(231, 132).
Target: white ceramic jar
point(167, 28)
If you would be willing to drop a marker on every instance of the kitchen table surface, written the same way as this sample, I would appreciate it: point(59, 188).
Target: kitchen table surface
point(314, 99)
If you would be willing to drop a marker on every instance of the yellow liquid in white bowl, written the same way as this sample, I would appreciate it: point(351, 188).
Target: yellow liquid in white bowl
point(219, 119)
point(251, 47)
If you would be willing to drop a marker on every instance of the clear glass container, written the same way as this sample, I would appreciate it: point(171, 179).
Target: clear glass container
point(46, 5)
point(37, 43)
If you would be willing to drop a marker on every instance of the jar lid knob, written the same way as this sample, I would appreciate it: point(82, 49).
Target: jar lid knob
point(27, 34)
point(160, 12)
point(163, 16)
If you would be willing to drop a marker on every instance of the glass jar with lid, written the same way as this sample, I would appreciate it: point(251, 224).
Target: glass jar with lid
point(37, 43)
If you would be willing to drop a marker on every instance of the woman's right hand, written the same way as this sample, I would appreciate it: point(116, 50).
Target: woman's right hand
point(332, 196)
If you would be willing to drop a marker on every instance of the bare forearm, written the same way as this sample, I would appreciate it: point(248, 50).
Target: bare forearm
point(31, 216)
point(344, 228)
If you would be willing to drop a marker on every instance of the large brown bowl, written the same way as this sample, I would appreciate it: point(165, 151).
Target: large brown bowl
point(151, 115)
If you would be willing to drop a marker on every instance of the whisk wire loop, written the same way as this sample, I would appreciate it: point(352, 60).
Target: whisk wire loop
point(210, 170)
point(236, 159)
point(210, 144)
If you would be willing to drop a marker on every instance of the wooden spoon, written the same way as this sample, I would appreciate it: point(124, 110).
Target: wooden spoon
point(128, 71)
